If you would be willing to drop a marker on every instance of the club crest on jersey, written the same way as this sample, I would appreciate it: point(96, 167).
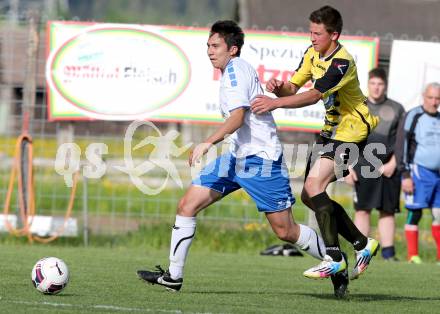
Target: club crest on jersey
point(341, 65)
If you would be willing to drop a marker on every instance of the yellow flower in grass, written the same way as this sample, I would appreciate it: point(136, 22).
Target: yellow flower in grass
point(426, 236)
point(107, 184)
point(254, 226)
point(242, 197)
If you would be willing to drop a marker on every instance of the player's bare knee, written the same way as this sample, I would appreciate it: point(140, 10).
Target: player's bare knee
point(305, 198)
point(311, 188)
point(295, 231)
point(307, 188)
point(283, 234)
point(186, 208)
point(287, 232)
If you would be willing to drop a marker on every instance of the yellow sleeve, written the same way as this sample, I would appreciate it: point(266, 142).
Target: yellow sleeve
point(338, 74)
point(304, 71)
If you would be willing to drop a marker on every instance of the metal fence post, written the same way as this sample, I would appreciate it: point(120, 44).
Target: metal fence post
point(85, 213)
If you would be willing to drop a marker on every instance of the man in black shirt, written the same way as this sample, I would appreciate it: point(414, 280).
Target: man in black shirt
point(382, 193)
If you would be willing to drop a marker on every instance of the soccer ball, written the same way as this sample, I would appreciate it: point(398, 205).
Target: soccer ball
point(50, 275)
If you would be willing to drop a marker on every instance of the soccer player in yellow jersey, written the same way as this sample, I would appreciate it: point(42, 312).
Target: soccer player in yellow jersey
point(347, 124)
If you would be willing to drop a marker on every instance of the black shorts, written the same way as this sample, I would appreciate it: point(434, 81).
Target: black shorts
point(342, 153)
point(381, 193)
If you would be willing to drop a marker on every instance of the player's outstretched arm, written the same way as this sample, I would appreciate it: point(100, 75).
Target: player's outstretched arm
point(231, 124)
point(262, 104)
point(281, 88)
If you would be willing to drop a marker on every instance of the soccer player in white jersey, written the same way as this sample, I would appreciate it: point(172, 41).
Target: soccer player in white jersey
point(254, 163)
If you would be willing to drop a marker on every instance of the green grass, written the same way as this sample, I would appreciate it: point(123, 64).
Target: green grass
point(103, 281)
point(213, 236)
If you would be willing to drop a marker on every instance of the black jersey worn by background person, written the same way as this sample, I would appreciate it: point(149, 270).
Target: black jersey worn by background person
point(390, 114)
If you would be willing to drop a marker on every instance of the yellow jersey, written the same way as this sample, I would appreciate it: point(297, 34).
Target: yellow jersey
point(347, 117)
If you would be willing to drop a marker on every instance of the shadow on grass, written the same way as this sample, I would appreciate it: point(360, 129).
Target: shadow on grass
point(226, 292)
point(57, 296)
point(370, 297)
point(330, 296)
point(63, 295)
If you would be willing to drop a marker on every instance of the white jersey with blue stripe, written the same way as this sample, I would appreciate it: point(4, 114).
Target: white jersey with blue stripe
point(258, 135)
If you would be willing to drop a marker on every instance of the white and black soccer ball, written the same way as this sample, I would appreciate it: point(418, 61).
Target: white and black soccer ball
point(50, 275)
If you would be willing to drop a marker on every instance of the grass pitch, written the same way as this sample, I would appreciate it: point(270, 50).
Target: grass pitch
point(103, 280)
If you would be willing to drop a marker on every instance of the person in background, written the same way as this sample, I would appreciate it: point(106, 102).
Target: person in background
point(382, 193)
point(419, 161)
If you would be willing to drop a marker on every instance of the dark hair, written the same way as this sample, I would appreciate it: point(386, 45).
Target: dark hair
point(230, 32)
point(330, 17)
point(378, 72)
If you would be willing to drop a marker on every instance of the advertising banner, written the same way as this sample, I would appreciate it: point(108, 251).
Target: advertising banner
point(162, 73)
point(413, 65)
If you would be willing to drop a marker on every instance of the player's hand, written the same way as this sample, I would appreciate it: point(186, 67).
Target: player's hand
point(352, 178)
point(387, 170)
point(274, 86)
point(408, 186)
point(262, 104)
point(198, 152)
